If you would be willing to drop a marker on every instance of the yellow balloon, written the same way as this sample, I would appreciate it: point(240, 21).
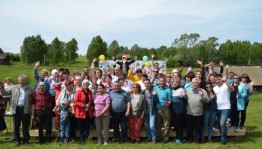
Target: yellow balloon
point(101, 57)
point(147, 64)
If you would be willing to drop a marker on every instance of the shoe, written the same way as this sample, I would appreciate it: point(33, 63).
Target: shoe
point(241, 127)
point(99, 143)
point(237, 129)
point(25, 143)
point(153, 141)
point(165, 140)
point(232, 128)
point(116, 140)
point(223, 142)
point(177, 141)
point(210, 141)
point(105, 143)
point(66, 142)
point(17, 144)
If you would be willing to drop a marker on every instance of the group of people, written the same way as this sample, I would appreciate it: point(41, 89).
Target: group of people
point(131, 97)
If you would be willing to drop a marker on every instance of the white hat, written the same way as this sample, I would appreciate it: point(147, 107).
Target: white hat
point(63, 101)
point(54, 71)
point(174, 70)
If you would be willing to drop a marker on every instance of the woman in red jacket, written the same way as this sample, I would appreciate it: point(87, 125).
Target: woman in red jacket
point(83, 109)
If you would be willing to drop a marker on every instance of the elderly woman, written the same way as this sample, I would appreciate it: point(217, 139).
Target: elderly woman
point(68, 94)
point(101, 113)
point(78, 83)
point(83, 109)
point(138, 111)
point(194, 119)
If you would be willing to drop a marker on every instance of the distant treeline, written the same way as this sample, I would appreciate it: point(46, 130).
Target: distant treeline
point(185, 50)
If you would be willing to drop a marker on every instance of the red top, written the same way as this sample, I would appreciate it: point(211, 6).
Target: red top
point(42, 100)
point(80, 101)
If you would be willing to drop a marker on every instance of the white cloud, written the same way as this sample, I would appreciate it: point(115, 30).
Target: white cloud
point(146, 22)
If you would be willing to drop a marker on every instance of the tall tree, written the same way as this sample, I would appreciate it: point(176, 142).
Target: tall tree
point(56, 52)
point(96, 48)
point(113, 49)
point(33, 49)
point(70, 51)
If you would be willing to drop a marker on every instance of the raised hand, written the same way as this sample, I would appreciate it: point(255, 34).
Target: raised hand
point(37, 63)
point(210, 71)
point(224, 78)
point(152, 56)
point(132, 66)
point(252, 83)
point(199, 62)
point(94, 60)
point(227, 66)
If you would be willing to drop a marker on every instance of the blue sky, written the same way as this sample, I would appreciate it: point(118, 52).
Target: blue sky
point(148, 23)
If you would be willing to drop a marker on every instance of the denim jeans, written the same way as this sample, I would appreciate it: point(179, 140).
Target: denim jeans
point(209, 121)
point(65, 129)
point(120, 118)
point(222, 118)
point(150, 125)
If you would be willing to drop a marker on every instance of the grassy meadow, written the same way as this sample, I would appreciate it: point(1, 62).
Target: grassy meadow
point(252, 139)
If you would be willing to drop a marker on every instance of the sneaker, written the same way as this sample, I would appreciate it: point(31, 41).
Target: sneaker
point(105, 143)
point(241, 127)
point(99, 143)
point(232, 128)
point(176, 141)
point(237, 129)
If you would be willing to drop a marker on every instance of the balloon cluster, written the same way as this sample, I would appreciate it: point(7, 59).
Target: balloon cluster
point(147, 63)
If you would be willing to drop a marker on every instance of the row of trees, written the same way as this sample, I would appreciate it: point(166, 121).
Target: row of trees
point(185, 50)
point(34, 48)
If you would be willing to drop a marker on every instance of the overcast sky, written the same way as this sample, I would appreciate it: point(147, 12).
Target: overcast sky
point(148, 23)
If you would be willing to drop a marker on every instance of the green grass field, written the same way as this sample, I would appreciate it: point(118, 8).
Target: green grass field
point(252, 139)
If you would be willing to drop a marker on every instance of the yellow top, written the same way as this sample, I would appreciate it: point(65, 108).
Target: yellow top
point(135, 79)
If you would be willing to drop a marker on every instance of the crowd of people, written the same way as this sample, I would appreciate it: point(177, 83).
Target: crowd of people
point(129, 97)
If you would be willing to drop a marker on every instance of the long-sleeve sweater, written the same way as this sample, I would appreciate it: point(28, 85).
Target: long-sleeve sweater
point(195, 102)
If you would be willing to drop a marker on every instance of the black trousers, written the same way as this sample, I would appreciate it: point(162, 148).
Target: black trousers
point(179, 121)
point(18, 118)
point(73, 126)
point(234, 115)
point(45, 119)
point(194, 123)
point(243, 115)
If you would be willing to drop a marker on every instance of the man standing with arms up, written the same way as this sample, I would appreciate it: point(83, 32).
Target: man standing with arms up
point(20, 108)
point(222, 91)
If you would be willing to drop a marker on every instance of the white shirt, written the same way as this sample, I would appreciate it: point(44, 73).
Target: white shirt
point(223, 97)
point(21, 98)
